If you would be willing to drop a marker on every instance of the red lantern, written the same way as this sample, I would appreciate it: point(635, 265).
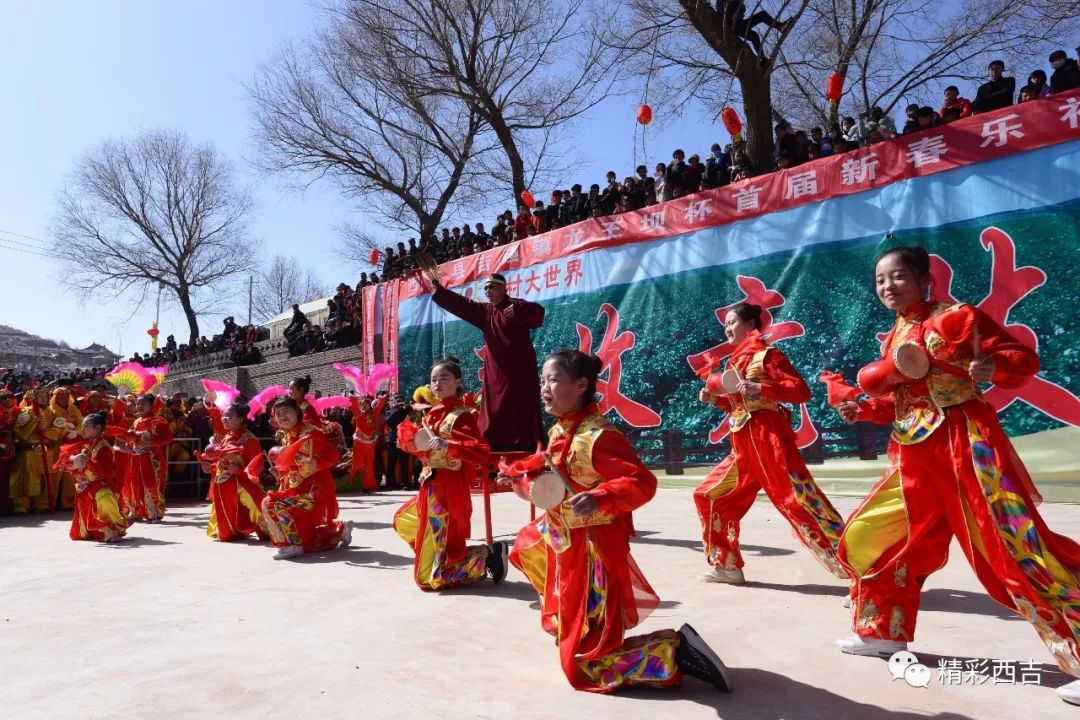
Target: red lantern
point(644, 114)
point(374, 259)
point(834, 89)
point(153, 332)
point(527, 199)
point(731, 121)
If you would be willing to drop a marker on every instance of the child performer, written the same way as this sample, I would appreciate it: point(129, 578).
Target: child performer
point(954, 473)
point(301, 516)
point(763, 455)
point(366, 417)
point(234, 498)
point(144, 487)
point(578, 554)
point(437, 522)
point(97, 513)
point(298, 391)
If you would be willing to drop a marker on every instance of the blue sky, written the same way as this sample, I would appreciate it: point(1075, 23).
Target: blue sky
point(78, 73)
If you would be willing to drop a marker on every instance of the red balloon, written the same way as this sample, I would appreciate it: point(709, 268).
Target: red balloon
point(527, 199)
point(835, 87)
point(731, 120)
point(644, 114)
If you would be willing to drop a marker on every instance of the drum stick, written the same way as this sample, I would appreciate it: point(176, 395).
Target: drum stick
point(562, 476)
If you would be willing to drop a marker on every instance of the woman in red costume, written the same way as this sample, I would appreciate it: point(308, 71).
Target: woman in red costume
point(234, 498)
point(954, 473)
point(90, 460)
point(301, 516)
point(144, 486)
point(578, 554)
point(298, 391)
point(763, 454)
point(437, 522)
point(365, 440)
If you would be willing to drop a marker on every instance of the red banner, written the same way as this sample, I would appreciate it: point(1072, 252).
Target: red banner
point(390, 327)
point(979, 138)
point(367, 353)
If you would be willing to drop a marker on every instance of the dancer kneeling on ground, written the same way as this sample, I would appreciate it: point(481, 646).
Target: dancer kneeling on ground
point(954, 473)
point(437, 522)
point(97, 512)
point(301, 515)
point(758, 378)
point(235, 499)
point(577, 555)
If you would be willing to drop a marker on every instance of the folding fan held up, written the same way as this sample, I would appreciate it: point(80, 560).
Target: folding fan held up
point(261, 400)
point(223, 393)
point(130, 378)
point(379, 378)
point(158, 374)
point(331, 401)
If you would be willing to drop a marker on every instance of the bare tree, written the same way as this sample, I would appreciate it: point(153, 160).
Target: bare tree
point(689, 50)
point(332, 110)
point(894, 51)
point(153, 210)
point(282, 283)
point(525, 68)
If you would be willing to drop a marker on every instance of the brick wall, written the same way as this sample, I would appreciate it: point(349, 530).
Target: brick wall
point(278, 369)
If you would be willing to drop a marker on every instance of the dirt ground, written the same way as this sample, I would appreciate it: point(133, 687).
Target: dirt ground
point(172, 625)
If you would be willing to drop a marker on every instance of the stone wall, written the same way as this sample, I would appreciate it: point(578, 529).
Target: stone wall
point(277, 369)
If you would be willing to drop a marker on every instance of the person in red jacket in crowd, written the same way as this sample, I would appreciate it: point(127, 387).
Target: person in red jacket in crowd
point(954, 102)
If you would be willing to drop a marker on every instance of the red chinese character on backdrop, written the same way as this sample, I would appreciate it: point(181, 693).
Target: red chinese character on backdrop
point(481, 352)
point(573, 273)
point(1008, 286)
point(612, 346)
point(551, 276)
point(533, 282)
point(513, 284)
point(755, 292)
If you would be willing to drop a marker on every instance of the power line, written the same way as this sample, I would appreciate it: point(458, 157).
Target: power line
point(22, 249)
point(41, 244)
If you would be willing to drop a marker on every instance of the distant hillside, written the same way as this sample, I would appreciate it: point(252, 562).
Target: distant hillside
point(22, 350)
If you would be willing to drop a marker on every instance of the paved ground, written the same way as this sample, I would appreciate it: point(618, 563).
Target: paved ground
point(172, 625)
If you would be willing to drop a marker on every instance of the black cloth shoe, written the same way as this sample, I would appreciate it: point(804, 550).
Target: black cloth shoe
point(696, 659)
point(497, 561)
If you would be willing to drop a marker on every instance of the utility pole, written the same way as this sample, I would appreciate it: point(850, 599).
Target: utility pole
point(251, 284)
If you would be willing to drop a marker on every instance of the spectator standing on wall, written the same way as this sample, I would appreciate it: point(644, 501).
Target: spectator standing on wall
point(998, 92)
point(1066, 75)
point(1037, 82)
point(646, 183)
point(912, 123)
point(554, 210)
point(785, 141)
point(660, 183)
point(692, 175)
point(674, 174)
point(953, 101)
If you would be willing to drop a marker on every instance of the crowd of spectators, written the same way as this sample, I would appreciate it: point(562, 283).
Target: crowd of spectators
point(342, 326)
point(238, 340)
point(684, 175)
point(19, 380)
